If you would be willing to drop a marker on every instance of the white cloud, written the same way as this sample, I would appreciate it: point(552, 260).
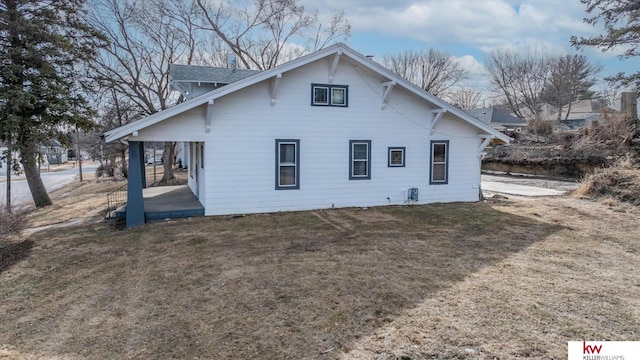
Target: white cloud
point(482, 24)
point(475, 69)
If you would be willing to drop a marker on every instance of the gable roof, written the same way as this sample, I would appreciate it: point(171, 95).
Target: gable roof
point(208, 74)
point(338, 48)
point(493, 115)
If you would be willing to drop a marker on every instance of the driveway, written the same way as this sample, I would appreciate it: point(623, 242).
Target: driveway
point(525, 185)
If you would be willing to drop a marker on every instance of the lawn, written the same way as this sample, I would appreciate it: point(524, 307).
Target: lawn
point(504, 279)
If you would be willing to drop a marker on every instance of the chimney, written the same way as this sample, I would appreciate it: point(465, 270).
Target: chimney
point(231, 61)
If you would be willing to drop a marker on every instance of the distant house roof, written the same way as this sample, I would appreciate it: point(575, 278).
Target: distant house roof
point(52, 143)
point(495, 117)
point(208, 74)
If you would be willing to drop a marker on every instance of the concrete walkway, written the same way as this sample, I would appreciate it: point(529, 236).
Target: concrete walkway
point(525, 186)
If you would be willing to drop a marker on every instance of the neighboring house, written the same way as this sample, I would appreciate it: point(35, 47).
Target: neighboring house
point(54, 152)
point(330, 129)
point(3, 160)
point(499, 119)
point(581, 113)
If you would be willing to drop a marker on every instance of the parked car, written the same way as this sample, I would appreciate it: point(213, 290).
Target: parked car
point(151, 159)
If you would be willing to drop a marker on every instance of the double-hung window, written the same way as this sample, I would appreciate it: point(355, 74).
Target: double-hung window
point(287, 164)
point(359, 159)
point(329, 95)
point(439, 162)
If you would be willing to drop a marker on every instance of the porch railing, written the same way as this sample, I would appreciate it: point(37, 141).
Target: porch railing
point(115, 199)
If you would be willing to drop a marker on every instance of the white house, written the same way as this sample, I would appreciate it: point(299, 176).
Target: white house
point(330, 129)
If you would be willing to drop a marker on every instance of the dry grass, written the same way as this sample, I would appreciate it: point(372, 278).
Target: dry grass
point(509, 279)
point(619, 183)
point(76, 200)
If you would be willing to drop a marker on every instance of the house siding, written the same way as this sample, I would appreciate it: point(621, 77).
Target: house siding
point(239, 150)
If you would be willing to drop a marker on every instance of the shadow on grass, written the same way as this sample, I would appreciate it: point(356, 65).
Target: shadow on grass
point(13, 252)
point(287, 285)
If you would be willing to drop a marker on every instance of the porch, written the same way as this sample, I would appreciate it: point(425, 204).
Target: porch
point(167, 202)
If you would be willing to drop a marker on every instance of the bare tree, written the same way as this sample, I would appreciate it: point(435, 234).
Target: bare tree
point(465, 98)
point(571, 78)
point(145, 38)
point(519, 80)
point(262, 35)
point(434, 71)
point(117, 110)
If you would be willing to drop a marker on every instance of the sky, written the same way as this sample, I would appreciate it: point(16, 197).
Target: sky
point(470, 29)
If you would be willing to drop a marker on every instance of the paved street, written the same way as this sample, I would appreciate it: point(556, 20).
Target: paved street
point(513, 185)
point(53, 180)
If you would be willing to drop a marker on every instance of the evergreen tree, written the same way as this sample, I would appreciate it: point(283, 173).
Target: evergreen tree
point(43, 45)
point(621, 20)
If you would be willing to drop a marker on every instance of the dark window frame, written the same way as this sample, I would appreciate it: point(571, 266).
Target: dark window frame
point(396, 148)
point(352, 160)
point(432, 163)
point(279, 142)
point(330, 89)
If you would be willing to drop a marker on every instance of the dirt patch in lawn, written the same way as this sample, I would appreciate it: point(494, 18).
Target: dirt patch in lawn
point(504, 279)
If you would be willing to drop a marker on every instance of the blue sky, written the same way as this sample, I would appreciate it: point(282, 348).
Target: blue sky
point(470, 29)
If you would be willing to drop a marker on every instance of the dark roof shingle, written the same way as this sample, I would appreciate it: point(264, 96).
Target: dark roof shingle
point(208, 74)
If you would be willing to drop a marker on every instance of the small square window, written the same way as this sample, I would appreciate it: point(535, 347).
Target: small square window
point(320, 95)
point(338, 96)
point(396, 156)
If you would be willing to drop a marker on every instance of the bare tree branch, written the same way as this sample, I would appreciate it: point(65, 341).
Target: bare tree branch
point(434, 71)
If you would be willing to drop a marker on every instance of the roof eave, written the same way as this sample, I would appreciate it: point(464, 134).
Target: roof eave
point(283, 68)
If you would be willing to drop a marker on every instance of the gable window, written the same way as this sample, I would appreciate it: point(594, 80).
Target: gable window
point(439, 162)
point(329, 95)
point(396, 157)
point(359, 159)
point(287, 164)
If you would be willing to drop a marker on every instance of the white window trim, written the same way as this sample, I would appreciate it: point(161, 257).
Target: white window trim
point(314, 95)
point(391, 150)
point(295, 165)
point(352, 160)
point(445, 162)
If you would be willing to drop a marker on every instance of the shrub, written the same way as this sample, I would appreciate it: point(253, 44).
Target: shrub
point(11, 223)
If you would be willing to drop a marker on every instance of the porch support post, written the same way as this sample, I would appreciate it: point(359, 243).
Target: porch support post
point(136, 182)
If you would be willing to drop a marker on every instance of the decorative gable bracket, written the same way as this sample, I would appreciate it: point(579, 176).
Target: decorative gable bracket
point(334, 66)
point(208, 117)
point(437, 116)
point(387, 88)
point(486, 139)
point(275, 83)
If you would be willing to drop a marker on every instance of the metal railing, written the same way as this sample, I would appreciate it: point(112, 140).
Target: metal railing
point(115, 199)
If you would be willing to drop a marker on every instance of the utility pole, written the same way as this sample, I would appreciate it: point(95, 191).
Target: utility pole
point(9, 165)
point(78, 156)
